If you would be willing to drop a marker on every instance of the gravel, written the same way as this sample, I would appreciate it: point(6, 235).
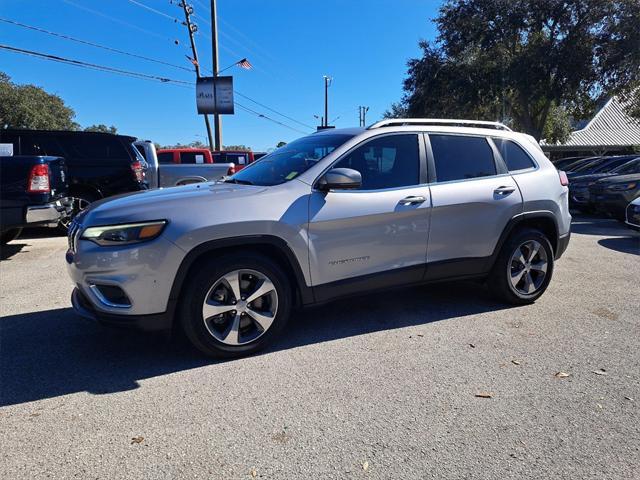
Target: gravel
point(436, 381)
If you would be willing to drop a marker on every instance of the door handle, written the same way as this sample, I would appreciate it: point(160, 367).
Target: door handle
point(412, 200)
point(504, 190)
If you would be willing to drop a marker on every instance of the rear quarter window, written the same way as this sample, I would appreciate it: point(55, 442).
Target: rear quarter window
point(165, 157)
point(191, 158)
point(513, 155)
point(459, 157)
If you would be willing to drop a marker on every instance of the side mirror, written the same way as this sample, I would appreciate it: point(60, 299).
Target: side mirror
point(340, 179)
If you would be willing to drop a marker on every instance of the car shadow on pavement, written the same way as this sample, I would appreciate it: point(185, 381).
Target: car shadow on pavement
point(52, 353)
point(622, 244)
point(10, 249)
point(592, 225)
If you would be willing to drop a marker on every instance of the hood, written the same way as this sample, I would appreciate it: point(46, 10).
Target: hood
point(164, 202)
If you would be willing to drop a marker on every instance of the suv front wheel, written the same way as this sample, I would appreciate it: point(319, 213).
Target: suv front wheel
point(523, 268)
point(235, 305)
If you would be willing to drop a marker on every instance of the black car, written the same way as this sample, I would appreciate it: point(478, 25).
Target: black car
point(579, 186)
point(99, 164)
point(611, 195)
point(33, 191)
point(600, 165)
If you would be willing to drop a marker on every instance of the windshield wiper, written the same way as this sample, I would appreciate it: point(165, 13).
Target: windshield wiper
point(239, 182)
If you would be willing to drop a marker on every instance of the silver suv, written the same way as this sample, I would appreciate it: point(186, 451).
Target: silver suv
point(336, 213)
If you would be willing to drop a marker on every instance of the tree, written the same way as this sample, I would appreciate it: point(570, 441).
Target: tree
point(28, 106)
point(101, 128)
point(281, 144)
point(525, 62)
point(242, 148)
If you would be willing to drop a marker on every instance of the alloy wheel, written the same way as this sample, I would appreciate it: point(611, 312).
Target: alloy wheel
point(77, 205)
point(528, 267)
point(240, 307)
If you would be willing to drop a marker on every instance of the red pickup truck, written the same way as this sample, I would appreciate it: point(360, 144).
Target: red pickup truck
point(239, 158)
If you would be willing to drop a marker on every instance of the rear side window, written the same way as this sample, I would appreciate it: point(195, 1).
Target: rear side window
point(93, 147)
point(238, 158)
point(459, 157)
point(191, 157)
point(40, 145)
point(165, 157)
point(513, 155)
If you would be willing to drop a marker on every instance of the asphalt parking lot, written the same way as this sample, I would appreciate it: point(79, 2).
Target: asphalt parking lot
point(384, 386)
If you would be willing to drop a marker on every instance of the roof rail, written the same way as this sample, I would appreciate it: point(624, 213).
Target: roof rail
point(446, 122)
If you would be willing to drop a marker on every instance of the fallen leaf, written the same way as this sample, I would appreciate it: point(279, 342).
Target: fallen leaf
point(472, 345)
point(602, 371)
point(137, 439)
point(515, 362)
point(254, 472)
point(420, 335)
point(365, 466)
point(484, 395)
point(561, 375)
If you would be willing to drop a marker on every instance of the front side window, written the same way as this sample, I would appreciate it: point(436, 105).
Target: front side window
point(390, 161)
point(290, 161)
point(460, 157)
point(513, 155)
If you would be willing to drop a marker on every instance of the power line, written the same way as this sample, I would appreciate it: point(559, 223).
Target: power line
point(143, 76)
point(266, 117)
point(86, 42)
point(146, 7)
point(273, 110)
point(117, 20)
point(94, 66)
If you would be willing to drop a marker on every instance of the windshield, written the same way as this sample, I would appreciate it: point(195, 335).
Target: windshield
point(630, 167)
point(288, 162)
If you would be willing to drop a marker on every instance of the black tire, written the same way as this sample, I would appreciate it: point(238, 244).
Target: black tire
point(499, 279)
point(204, 278)
point(10, 235)
point(80, 202)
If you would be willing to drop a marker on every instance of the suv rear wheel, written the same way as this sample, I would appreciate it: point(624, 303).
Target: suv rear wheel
point(523, 268)
point(235, 305)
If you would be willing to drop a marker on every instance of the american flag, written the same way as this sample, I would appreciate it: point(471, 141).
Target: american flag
point(244, 63)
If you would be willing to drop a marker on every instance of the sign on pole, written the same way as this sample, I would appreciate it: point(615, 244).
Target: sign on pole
point(215, 95)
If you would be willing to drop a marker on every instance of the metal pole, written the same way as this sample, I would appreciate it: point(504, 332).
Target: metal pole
point(187, 19)
point(217, 120)
point(326, 101)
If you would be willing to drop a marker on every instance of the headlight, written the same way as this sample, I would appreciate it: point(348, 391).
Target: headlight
point(124, 234)
point(623, 186)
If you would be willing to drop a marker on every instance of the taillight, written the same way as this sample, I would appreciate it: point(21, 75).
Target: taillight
point(39, 179)
point(138, 171)
point(564, 180)
point(232, 169)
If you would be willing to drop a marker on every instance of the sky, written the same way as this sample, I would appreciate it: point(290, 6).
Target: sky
point(292, 44)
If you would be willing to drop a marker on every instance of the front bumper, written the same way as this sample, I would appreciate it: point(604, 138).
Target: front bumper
point(48, 213)
point(156, 322)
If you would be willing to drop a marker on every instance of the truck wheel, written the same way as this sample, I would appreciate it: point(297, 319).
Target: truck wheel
point(235, 305)
point(80, 202)
point(10, 235)
point(523, 269)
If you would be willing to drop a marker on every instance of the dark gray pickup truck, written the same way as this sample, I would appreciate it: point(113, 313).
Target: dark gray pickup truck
point(33, 192)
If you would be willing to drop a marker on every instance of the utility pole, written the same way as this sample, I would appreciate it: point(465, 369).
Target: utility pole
point(188, 10)
point(362, 110)
point(217, 120)
point(327, 83)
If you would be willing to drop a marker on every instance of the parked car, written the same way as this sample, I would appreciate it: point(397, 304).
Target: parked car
point(611, 195)
point(600, 165)
point(579, 186)
point(99, 165)
point(33, 192)
point(632, 214)
point(578, 163)
point(562, 163)
point(333, 214)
